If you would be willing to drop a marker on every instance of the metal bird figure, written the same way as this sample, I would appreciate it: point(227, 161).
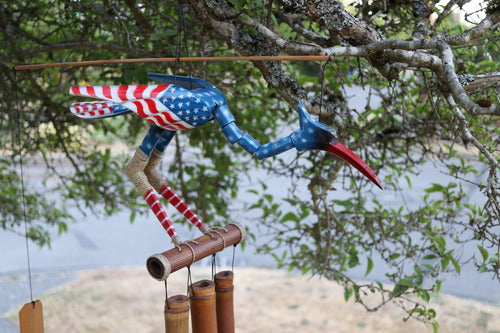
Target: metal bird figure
point(184, 103)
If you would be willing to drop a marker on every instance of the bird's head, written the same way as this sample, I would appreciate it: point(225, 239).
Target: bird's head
point(315, 135)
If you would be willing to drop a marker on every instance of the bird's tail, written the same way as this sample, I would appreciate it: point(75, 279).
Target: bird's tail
point(97, 109)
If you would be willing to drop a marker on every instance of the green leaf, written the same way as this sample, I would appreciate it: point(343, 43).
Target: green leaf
point(347, 293)
point(290, 216)
point(155, 36)
point(394, 256)
point(169, 32)
point(456, 265)
point(369, 266)
point(429, 257)
point(484, 253)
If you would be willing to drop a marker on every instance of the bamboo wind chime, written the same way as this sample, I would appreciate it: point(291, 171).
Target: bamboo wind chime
point(211, 302)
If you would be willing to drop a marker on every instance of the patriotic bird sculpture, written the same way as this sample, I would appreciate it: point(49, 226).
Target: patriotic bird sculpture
point(183, 103)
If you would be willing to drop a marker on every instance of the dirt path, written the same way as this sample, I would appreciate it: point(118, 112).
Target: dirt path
point(129, 300)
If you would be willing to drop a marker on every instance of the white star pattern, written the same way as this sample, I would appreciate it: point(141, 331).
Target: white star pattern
point(193, 107)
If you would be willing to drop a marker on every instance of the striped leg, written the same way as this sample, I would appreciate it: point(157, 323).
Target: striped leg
point(182, 207)
point(161, 186)
point(135, 171)
point(157, 208)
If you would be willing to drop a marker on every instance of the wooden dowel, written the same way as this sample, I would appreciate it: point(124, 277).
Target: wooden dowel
point(161, 265)
point(224, 300)
point(177, 314)
point(171, 59)
point(203, 311)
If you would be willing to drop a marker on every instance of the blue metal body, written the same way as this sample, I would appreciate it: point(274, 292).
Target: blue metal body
point(212, 104)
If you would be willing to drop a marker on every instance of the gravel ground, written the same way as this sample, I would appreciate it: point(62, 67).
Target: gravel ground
point(266, 300)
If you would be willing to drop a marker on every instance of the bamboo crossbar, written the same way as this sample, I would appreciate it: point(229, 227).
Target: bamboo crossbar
point(161, 265)
point(171, 59)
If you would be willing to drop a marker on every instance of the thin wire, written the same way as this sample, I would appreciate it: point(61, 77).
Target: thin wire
point(322, 85)
point(22, 186)
point(181, 29)
point(177, 41)
point(232, 261)
point(189, 280)
point(214, 266)
point(166, 294)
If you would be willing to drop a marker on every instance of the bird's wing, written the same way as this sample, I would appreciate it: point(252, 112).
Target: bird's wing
point(154, 111)
point(189, 83)
point(97, 109)
point(120, 94)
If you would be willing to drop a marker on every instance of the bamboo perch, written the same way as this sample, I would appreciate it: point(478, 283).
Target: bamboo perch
point(224, 301)
point(172, 59)
point(161, 265)
point(177, 314)
point(203, 311)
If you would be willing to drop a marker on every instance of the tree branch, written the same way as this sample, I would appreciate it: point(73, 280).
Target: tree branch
point(456, 87)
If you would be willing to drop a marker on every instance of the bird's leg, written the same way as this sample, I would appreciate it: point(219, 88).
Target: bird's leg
point(135, 170)
point(161, 186)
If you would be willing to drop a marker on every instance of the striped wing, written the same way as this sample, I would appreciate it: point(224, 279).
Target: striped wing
point(154, 111)
point(119, 94)
point(97, 109)
point(141, 99)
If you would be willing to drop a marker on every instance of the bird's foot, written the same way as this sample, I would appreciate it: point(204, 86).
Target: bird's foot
point(188, 243)
point(215, 231)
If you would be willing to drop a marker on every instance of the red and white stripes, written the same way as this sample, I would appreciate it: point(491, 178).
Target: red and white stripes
point(157, 113)
point(181, 206)
point(157, 208)
point(141, 99)
point(91, 109)
point(120, 93)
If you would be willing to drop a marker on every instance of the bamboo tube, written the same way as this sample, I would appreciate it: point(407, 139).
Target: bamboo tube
point(177, 314)
point(161, 265)
point(203, 311)
point(31, 318)
point(224, 300)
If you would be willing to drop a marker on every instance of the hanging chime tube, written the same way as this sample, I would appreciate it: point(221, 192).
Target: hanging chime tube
point(203, 311)
point(177, 314)
point(224, 300)
point(31, 318)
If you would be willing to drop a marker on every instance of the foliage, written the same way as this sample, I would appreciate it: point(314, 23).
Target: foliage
point(330, 221)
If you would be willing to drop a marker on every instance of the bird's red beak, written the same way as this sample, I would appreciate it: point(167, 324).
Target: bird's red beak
point(338, 149)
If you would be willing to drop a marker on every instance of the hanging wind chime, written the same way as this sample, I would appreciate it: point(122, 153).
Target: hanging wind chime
point(182, 103)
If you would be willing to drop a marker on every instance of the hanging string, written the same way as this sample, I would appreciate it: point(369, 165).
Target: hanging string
point(181, 29)
point(322, 85)
point(178, 38)
point(166, 294)
point(23, 195)
point(214, 266)
point(189, 279)
point(232, 260)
